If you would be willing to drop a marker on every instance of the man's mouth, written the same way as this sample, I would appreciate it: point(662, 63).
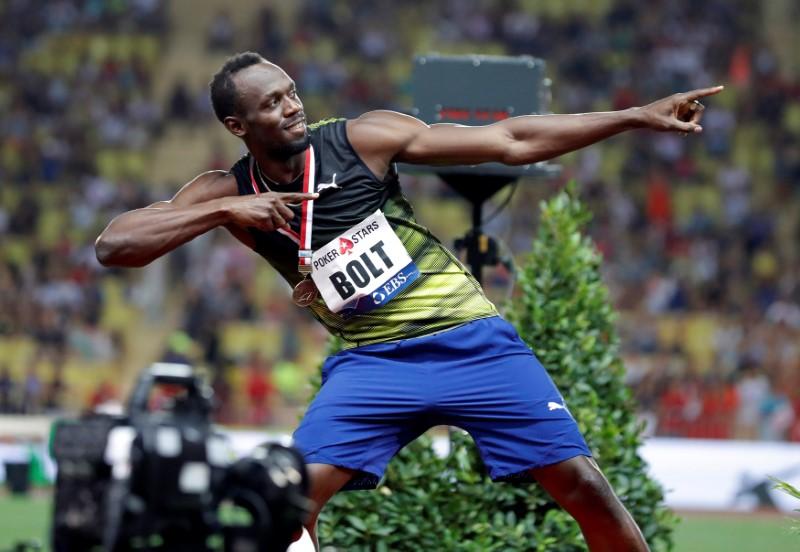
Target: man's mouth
point(296, 125)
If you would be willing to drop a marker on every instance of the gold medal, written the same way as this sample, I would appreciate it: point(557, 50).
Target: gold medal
point(305, 293)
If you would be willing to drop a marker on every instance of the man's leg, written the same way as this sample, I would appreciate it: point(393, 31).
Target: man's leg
point(326, 480)
point(582, 490)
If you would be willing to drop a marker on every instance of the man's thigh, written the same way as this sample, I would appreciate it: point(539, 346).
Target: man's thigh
point(505, 399)
point(365, 411)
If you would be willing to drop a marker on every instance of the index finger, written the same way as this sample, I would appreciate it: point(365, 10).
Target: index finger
point(703, 92)
point(295, 197)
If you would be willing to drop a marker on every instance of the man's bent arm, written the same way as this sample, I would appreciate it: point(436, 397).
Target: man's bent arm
point(140, 236)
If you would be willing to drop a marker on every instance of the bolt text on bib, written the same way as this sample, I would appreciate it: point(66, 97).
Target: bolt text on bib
point(359, 272)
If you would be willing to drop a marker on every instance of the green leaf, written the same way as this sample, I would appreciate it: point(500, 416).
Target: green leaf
point(356, 523)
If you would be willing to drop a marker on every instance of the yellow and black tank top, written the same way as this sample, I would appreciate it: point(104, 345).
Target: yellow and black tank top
point(445, 294)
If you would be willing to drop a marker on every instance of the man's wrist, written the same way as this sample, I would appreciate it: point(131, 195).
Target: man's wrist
point(224, 209)
point(634, 117)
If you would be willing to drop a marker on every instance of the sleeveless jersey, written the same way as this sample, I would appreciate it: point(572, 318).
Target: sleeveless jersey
point(444, 295)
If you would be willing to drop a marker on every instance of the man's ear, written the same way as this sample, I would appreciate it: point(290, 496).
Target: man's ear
point(235, 126)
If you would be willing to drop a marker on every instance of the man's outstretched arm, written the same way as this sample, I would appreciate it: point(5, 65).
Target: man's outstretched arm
point(140, 236)
point(381, 137)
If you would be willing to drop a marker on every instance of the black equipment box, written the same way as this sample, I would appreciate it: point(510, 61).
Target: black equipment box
point(479, 90)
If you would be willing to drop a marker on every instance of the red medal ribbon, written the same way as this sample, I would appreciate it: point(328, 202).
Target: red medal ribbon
point(303, 240)
point(304, 251)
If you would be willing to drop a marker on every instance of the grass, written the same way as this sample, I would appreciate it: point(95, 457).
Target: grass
point(736, 533)
point(28, 518)
point(23, 518)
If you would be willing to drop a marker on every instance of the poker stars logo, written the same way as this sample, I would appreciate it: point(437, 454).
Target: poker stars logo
point(345, 246)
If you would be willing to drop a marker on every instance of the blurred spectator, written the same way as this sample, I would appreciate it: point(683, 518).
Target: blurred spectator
point(102, 394)
point(290, 382)
point(181, 102)
point(720, 403)
point(223, 398)
point(260, 389)
point(32, 392)
point(753, 392)
point(180, 349)
point(221, 33)
point(269, 36)
point(777, 416)
point(7, 386)
point(679, 407)
point(54, 392)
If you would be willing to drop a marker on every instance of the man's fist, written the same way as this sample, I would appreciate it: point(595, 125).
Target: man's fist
point(679, 112)
point(268, 211)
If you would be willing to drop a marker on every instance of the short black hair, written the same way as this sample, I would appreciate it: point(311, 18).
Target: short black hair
point(222, 87)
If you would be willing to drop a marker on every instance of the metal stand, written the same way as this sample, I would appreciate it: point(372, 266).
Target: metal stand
point(481, 249)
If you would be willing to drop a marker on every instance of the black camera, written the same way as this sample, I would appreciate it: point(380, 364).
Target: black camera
point(161, 477)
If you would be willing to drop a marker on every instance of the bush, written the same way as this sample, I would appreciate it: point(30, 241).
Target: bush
point(431, 503)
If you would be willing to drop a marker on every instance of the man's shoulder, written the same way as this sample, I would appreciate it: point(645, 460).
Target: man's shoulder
point(205, 187)
point(239, 173)
point(383, 130)
point(329, 131)
point(216, 183)
point(243, 161)
point(325, 124)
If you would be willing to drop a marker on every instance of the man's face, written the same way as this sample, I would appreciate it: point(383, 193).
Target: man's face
point(270, 112)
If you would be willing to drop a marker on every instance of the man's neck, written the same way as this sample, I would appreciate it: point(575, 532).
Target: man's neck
point(281, 171)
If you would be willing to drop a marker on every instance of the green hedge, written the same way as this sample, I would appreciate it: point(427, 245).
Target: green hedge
point(427, 503)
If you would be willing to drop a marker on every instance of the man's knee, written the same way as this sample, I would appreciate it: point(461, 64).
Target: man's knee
point(577, 484)
point(591, 487)
point(579, 487)
point(325, 481)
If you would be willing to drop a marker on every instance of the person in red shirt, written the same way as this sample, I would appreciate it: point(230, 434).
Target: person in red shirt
point(259, 389)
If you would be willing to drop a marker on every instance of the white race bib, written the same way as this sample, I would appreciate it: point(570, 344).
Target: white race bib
point(364, 268)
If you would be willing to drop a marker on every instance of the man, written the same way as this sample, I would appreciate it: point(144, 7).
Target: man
point(424, 346)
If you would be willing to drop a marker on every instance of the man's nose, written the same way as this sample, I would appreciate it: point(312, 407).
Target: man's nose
point(292, 106)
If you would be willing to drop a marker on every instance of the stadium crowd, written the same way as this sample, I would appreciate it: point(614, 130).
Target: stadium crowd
point(74, 90)
point(699, 234)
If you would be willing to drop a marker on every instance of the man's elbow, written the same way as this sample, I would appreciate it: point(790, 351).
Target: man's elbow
point(516, 154)
point(525, 153)
point(103, 251)
point(109, 253)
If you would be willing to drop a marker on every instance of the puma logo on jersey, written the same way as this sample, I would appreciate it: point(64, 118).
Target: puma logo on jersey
point(332, 185)
point(555, 406)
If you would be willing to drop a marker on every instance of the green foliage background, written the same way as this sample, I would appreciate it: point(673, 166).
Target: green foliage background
point(429, 503)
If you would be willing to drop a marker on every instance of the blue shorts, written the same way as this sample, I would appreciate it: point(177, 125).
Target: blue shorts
point(479, 376)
